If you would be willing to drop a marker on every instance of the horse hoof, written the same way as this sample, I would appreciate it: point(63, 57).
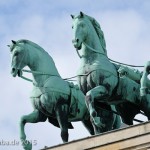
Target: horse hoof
point(98, 123)
point(93, 113)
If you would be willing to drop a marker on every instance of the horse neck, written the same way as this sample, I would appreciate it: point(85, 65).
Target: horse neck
point(43, 63)
point(92, 41)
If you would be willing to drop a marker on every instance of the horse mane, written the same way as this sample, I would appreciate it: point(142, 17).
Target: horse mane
point(33, 44)
point(99, 32)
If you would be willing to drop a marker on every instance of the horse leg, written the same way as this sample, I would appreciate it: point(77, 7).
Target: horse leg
point(117, 122)
point(127, 112)
point(62, 117)
point(97, 130)
point(96, 93)
point(34, 117)
point(88, 126)
point(107, 117)
point(117, 119)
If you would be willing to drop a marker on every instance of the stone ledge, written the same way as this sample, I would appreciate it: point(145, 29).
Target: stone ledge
point(136, 137)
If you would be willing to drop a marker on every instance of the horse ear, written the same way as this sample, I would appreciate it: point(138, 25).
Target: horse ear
point(81, 14)
point(14, 42)
point(72, 16)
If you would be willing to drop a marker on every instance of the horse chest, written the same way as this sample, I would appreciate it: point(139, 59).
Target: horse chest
point(45, 99)
point(47, 110)
point(104, 66)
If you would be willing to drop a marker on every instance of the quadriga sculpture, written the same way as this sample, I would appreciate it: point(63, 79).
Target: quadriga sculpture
point(52, 98)
point(98, 77)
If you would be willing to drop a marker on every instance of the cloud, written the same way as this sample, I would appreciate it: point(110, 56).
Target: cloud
point(126, 34)
point(126, 29)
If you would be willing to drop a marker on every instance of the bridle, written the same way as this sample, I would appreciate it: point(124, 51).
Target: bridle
point(89, 47)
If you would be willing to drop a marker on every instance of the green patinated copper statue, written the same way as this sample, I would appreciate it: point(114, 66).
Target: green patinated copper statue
point(52, 97)
point(98, 77)
point(95, 69)
point(136, 75)
point(59, 101)
point(145, 82)
point(104, 87)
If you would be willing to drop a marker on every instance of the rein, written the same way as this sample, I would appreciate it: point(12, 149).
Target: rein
point(92, 49)
point(97, 51)
point(33, 72)
point(40, 73)
point(43, 73)
point(69, 79)
point(30, 71)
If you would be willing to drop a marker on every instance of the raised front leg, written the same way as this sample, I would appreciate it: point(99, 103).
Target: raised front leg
point(62, 117)
point(34, 117)
point(99, 93)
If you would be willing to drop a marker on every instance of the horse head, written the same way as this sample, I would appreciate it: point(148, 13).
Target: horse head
point(87, 32)
point(18, 61)
point(80, 30)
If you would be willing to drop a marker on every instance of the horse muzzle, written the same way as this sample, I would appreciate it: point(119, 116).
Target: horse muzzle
point(77, 44)
point(16, 72)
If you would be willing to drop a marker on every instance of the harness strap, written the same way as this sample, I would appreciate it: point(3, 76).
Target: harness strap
point(94, 50)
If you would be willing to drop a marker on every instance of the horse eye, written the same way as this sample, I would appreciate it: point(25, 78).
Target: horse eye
point(16, 53)
point(82, 25)
point(72, 27)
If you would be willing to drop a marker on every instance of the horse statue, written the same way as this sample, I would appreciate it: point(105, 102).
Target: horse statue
point(98, 77)
point(95, 71)
point(53, 98)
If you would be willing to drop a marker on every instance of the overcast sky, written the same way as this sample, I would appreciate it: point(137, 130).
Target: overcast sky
point(126, 26)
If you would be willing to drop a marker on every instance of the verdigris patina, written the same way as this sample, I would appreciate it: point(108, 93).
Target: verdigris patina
point(131, 73)
point(145, 82)
point(52, 98)
point(136, 75)
point(98, 77)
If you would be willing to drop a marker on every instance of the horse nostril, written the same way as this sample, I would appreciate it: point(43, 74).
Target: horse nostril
point(75, 41)
point(13, 69)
